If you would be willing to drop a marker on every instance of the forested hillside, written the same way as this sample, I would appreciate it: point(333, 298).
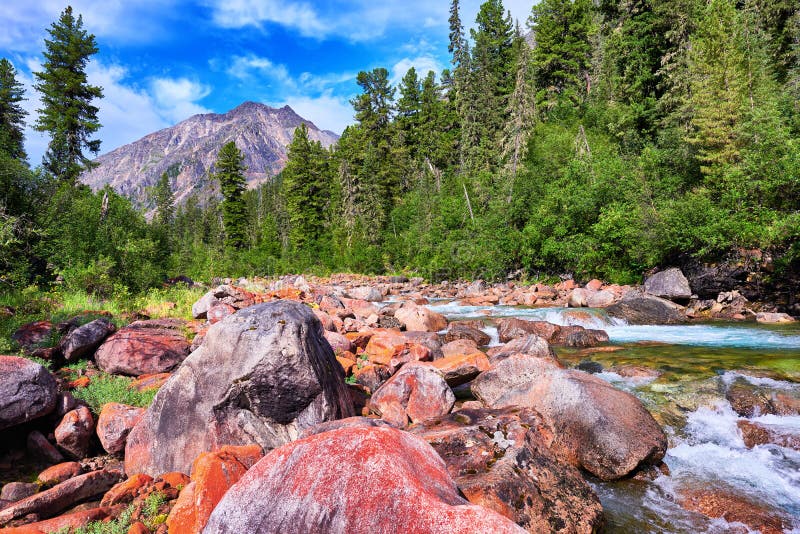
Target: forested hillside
point(599, 140)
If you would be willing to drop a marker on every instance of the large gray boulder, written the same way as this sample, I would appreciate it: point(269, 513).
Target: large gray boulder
point(641, 308)
point(84, 340)
point(669, 284)
point(262, 376)
point(27, 391)
point(596, 427)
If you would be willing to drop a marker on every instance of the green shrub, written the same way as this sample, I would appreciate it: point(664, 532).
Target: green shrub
point(105, 388)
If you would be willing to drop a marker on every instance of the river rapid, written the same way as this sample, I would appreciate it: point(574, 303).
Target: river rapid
point(683, 374)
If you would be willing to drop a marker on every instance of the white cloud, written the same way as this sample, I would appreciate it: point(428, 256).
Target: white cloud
point(422, 64)
point(247, 67)
point(176, 99)
point(25, 23)
point(127, 112)
point(354, 20)
point(326, 111)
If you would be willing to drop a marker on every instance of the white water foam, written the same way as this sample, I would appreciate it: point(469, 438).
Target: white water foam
point(730, 376)
point(586, 317)
point(705, 336)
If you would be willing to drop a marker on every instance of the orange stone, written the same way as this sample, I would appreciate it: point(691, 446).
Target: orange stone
point(213, 473)
point(127, 490)
point(81, 382)
point(63, 522)
point(138, 528)
point(346, 363)
point(59, 473)
point(149, 382)
point(385, 345)
point(175, 479)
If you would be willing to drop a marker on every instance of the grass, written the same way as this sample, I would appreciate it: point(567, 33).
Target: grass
point(105, 388)
point(150, 516)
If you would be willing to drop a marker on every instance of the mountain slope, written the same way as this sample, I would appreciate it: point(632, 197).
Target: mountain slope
point(188, 150)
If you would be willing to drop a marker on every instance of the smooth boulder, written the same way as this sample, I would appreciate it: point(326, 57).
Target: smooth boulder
point(669, 284)
point(114, 424)
point(27, 391)
point(352, 480)
point(641, 308)
point(84, 340)
point(414, 317)
point(417, 392)
point(597, 427)
point(261, 376)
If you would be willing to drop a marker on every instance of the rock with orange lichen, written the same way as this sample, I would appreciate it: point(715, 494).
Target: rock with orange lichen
point(461, 368)
point(417, 392)
point(353, 480)
point(114, 424)
point(414, 317)
point(718, 503)
point(500, 459)
point(213, 473)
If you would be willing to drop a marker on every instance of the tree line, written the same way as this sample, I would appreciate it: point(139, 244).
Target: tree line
point(599, 138)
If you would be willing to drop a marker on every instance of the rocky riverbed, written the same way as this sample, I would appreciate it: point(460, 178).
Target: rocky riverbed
point(357, 404)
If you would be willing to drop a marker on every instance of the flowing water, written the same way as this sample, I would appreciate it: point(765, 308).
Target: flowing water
point(694, 365)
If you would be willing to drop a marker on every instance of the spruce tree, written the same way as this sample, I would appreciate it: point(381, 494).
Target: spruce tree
point(230, 174)
point(306, 189)
point(12, 116)
point(68, 115)
point(165, 202)
point(562, 55)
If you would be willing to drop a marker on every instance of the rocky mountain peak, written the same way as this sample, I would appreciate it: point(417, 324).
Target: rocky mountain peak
point(187, 151)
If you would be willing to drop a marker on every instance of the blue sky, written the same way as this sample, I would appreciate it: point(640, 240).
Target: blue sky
point(161, 61)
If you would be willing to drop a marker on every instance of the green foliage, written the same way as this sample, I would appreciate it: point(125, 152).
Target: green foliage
point(104, 388)
point(149, 515)
point(12, 116)
point(68, 115)
point(230, 174)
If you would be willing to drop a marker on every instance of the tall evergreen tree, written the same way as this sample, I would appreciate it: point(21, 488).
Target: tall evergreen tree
point(12, 116)
point(230, 173)
point(165, 201)
point(68, 115)
point(562, 54)
point(306, 188)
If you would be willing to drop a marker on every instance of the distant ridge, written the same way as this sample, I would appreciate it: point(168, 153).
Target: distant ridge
point(188, 150)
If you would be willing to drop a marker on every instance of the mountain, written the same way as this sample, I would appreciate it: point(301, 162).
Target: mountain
point(188, 150)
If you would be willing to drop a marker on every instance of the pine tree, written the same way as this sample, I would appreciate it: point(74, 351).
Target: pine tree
point(12, 116)
point(562, 54)
point(521, 111)
point(68, 115)
point(306, 189)
point(230, 174)
point(165, 202)
point(718, 86)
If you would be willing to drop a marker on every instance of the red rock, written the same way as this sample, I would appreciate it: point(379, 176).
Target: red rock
point(70, 521)
point(594, 285)
point(80, 382)
point(59, 473)
point(60, 497)
point(27, 390)
point(346, 363)
point(213, 474)
point(30, 336)
point(459, 346)
point(74, 432)
point(461, 368)
point(460, 330)
point(354, 480)
point(140, 349)
point(530, 345)
point(127, 490)
point(175, 479)
point(599, 428)
point(509, 329)
point(138, 528)
point(417, 392)
point(372, 376)
point(359, 339)
point(384, 345)
point(420, 318)
point(338, 342)
point(758, 434)
point(500, 459)
point(218, 311)
point(39, 447)
point(114, 424)
point(361, 308)
point(149, 382)
point(733, 508)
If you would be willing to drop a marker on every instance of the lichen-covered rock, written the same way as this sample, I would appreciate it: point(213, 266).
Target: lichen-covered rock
point(143, 347)
point(415, 317)
point(461, 330)
point(114, 424)
point(597, 427)
point(461, 368)
point(352, 480)
point(640, 308)
point(261, 376)
point(27, 391)
point(32, 335)
point(500, 459)
point(417, 392)
point(74, 432)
